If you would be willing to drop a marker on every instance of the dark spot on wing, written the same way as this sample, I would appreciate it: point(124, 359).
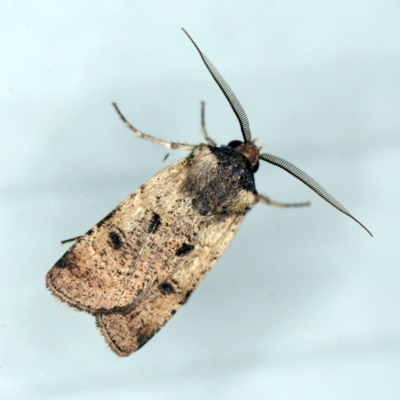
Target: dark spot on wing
point(166, 288)
point(184, 249)
point(115, 240)
point(62, 262)
point(154, 223)
point(89, 232)
point(143, 339)
point(186, 298)
point(71, 262)
point(106, 218)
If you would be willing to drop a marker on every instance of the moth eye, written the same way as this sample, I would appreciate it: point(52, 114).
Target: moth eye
point(255, 168)
point(235, 143)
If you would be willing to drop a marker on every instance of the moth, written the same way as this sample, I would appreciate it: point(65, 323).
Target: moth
point(136, 267)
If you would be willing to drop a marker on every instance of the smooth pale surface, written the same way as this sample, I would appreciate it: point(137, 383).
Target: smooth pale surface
point(304, 304)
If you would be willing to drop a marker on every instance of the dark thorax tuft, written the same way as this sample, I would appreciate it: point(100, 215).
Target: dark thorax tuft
point(217, 178)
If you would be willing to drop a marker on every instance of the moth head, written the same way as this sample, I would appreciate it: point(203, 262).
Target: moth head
point(249, 150)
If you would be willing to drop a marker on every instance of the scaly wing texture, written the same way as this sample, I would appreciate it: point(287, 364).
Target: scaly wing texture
point(126, 333)
point(114, 265)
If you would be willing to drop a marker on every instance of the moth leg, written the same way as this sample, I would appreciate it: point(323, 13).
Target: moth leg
point(170, 145)
point(71, 240)
point(209, 141)
point(267, 200)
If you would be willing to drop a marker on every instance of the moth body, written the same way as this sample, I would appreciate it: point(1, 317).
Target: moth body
point(136, 267)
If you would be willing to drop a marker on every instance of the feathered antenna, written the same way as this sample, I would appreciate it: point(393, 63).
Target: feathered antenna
point(228, 92)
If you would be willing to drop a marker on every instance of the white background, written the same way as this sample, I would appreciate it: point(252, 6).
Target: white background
point(303, 304)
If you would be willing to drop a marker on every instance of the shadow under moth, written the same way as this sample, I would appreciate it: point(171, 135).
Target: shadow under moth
point(136, 267)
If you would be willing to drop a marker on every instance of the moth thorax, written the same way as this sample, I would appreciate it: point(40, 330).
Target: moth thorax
point(249, 150)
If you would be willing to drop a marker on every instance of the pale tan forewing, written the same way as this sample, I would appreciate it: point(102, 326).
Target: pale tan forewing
point(147, 237)
point(126, 333)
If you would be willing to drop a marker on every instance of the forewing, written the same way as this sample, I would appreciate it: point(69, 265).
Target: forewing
point(117, 262)
point(126, 333)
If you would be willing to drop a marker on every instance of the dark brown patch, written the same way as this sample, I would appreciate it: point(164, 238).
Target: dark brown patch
point(115, 240)
point(63, 261)
point(217, 191)
point(143, 339)
point(154, 223)
point(184, 249)
point(89, 232)
point(186, 298)
point(166, 288)
point(203, 207)
point(106, 218)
